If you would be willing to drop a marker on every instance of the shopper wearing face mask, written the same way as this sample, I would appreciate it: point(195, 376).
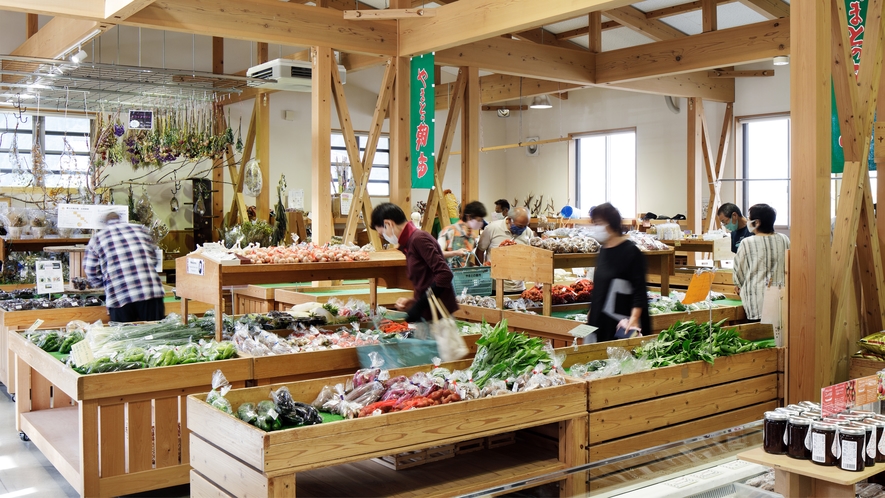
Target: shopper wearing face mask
point(425, 265)
point(516, 228)
point(502, 209)
point(731, 218)
point(760, 260)
point(458, 240)
point(619, 288)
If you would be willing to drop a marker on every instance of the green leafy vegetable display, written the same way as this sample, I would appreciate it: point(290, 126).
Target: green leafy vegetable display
point(688, 341)
point(504, 355)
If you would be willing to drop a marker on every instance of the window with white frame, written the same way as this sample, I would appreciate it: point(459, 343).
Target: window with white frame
point(766, 164)
point(766, 167)
point(64, 142)
point(605, 170)
point(379, 178)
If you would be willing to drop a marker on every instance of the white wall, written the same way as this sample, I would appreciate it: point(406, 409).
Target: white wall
point(661, 135)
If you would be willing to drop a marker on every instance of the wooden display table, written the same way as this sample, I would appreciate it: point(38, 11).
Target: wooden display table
point(75, 247)
point(636, 411)
point(286, 298)
point(533, 264)
point(861, 367)
point(723, 280)
point(274, 369)
point(141, 412)
point(10, 321)
point(231, 457)
point(803, 478)
point(207, 278)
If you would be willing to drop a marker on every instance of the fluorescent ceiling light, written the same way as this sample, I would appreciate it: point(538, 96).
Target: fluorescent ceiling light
point(541, 102)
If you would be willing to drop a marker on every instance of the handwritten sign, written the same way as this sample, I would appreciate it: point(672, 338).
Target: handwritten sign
point(81, 353)
point(698, 288)
point(422, 120)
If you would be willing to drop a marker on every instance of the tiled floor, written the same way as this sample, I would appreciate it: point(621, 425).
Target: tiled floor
point(24, 471)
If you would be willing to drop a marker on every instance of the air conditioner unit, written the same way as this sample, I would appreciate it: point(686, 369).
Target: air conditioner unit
point(287, 74)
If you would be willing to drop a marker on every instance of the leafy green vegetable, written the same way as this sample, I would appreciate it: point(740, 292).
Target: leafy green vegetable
point(505, 356)
point(688, 341)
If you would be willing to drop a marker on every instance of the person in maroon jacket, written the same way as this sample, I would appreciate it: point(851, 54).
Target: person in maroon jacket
point(426, 266)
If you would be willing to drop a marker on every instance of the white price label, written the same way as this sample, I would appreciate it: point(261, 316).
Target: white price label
point(36, 325)
point(159, 267)
point(49, 277)
point(195, 266)
point(81, 353)
point(583, 330)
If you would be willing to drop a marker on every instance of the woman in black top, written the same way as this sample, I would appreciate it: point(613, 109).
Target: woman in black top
point(619, 288)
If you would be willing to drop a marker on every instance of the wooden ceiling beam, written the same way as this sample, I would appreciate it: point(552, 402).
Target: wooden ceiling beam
point(521, 58)
point(544, 37)
point(82, 9)
point(467, 21)
point(727, 47)
point(269, 21)
point(117, 10)
point(633, 18)
point(772, 9)
point(699, 85)
point(502, 88)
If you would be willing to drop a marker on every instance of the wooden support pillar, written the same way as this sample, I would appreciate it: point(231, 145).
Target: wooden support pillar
point(708, 11)
point(33, 25)
point(400, 150)
point(218, 166)
point(262, 153)
point(808, 338)
point(470, 137)
point(595, 32)
point(695, 166)
point(261, 53)
point(321, 145)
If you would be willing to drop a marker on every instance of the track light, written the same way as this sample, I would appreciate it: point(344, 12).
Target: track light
point(541, 102)
point(79, 57)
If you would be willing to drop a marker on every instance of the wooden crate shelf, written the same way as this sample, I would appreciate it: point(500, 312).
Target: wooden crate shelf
point(209, 278)
point(233, 457)
point(410, 459)
point(860, 367)
point(11, 321)
point(141, 442)
point(533, 264)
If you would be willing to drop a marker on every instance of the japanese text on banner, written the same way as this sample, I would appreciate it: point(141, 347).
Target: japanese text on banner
point(422, 120)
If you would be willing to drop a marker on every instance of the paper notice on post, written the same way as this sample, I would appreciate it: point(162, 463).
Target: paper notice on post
point(296, 199)
point(49, 277)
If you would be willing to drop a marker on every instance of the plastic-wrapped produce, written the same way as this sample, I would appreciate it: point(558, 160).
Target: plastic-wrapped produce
point(220, 388)
point(293, 412)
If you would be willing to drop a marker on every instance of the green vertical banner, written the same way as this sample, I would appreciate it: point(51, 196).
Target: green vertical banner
point(856, 11)
point(422, 127)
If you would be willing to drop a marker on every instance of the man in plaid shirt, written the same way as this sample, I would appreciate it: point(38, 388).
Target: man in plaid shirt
point(123, 259)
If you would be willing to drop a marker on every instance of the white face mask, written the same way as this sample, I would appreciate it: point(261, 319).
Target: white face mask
point(599, 233)
point(752, 225)
point(391, 238)
point(497, 216)
point(475, 224)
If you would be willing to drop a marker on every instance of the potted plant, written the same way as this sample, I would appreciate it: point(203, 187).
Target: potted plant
point(16, 223)
point(38, 226)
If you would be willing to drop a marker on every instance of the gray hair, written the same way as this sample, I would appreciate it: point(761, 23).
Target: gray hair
point(517, 212)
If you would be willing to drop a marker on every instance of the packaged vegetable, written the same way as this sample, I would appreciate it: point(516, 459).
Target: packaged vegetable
point(294, 412)
point(359, 398)
point(246, 412)
point(220, 388)
point(374, 373)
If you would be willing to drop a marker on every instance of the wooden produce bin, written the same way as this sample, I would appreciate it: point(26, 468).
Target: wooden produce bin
point(202, 279)
point(533, 264)
point(723, 280)
point(861, 367)
point(100, 431)
point(231, 457)
point(10, 321)
point(637, 411)
point(287, 298)
point(275, 369)
point(253, 299)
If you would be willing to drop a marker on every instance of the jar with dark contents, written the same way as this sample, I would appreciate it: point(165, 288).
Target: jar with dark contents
point(799, 438)
point(773, 429)
point(851, 443)
point(869, 443)
point(880, 438)
point(823, 436)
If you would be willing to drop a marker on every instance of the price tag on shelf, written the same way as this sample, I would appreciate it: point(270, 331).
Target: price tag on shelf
point(159, 267)
point(195, 266)
point(81, 353)
point(698, 288)
point(35, 325)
